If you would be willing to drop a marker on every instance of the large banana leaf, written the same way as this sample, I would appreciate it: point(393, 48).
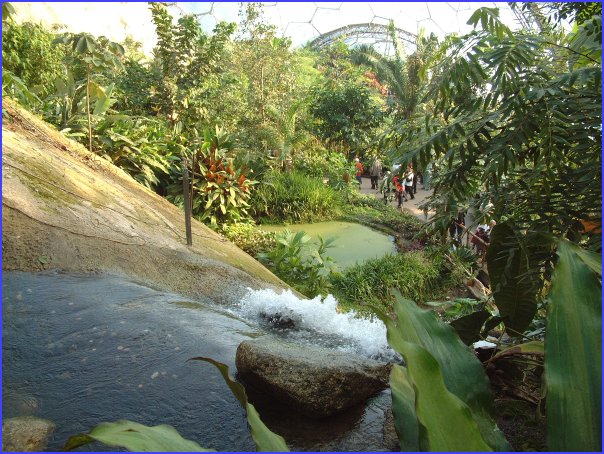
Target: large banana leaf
point(262, 435)
point(403, 409)
point(510, 260)
point(462, 374)
point(136, 438)
point(573, 353)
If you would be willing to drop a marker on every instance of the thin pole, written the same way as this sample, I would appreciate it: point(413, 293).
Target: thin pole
point(185, 191)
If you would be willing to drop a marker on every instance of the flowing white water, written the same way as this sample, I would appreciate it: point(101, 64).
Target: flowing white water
point(317, 322)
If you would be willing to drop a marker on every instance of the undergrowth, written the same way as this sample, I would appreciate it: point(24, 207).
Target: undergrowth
point(295, 198)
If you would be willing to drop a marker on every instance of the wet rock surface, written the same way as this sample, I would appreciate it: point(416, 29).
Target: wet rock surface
point(25, 434)
point(315, 381)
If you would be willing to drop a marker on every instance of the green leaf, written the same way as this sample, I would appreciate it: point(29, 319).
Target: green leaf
point(104, 102)
point(468, 327)
point(8, 10)
point(573, 352)
point(514, 290)
point(136, 438)
point(447, 420)
point(265, 439)
point(462, 373)
point(403, 408)
point(536, 348)
point(84, 44)
point(43, 259)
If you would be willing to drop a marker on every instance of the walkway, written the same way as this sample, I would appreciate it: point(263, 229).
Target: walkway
point(412, 206)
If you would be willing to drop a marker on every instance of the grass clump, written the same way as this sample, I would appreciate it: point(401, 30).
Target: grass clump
point(295, 198)
point(418, 276)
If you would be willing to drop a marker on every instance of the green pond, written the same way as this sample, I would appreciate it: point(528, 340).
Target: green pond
point(354, 242)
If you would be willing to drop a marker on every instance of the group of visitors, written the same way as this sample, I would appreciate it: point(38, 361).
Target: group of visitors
point(404, 184)
point(404, 187)
point(480, 239)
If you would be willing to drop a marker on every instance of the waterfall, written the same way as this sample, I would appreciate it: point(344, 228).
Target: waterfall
point(316, 322)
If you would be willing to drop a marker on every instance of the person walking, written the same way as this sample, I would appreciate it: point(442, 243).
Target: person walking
point(359, 166)
point(375, 172)
point(409, 181)
point(398, 184)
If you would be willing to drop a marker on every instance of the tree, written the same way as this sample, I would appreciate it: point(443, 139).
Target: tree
point(346, 114)
point(188, 62)
point(96, 55)
point(402, 76)
point(524, 140)
point(27, 52)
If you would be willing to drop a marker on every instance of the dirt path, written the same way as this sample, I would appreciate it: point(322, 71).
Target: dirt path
point(411, 206)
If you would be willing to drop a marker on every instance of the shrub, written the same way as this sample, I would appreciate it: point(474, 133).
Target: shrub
point(249, 238)
point(221, 188)
point(300, 263)
point(329, 165)
point(295, 198)
point(369, 210)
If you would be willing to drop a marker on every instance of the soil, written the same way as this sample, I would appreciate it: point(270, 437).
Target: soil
point(65, 208)
point(520, 422)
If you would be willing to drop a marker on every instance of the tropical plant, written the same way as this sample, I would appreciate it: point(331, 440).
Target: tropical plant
point(516, 127)
point(330, 165)
point(300, 263)
point(441, 369)
point(140, 146)
point(249, 238)
point(219, 190)
point(14, 87)
point(283, 135)
point(95, 55)
point(401, 75)
point(29, 55)
point(368, 284)
point(188, 62)
point(442, 400)
point(346, 114)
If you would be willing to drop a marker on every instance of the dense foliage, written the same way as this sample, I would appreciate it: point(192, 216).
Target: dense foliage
point(509, 121)
point(295, 198)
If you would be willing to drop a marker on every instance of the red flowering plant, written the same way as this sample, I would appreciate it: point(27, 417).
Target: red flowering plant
point(221, 189)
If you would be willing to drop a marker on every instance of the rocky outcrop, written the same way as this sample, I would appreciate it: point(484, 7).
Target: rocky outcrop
point(315, 381)
point(26, 434)
point(65, 208)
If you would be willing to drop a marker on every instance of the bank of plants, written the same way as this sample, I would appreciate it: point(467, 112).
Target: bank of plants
point(249, 238)
point(374, 212)
point(365, 286)
point(294, 198)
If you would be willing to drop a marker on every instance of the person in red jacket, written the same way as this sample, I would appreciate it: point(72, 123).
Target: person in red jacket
point(359, 166)
point(398, 184)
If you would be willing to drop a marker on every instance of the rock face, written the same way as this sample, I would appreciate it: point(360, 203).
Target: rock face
point(68, 209)
point(314, 381)
point(25, 434)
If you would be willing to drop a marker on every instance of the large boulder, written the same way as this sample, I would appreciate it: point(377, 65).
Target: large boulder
point(26, 434)
point(315, 381)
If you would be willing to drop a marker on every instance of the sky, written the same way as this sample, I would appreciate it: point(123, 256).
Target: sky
point(301, 21)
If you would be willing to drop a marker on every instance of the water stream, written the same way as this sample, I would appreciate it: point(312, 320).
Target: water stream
point(81, 349)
